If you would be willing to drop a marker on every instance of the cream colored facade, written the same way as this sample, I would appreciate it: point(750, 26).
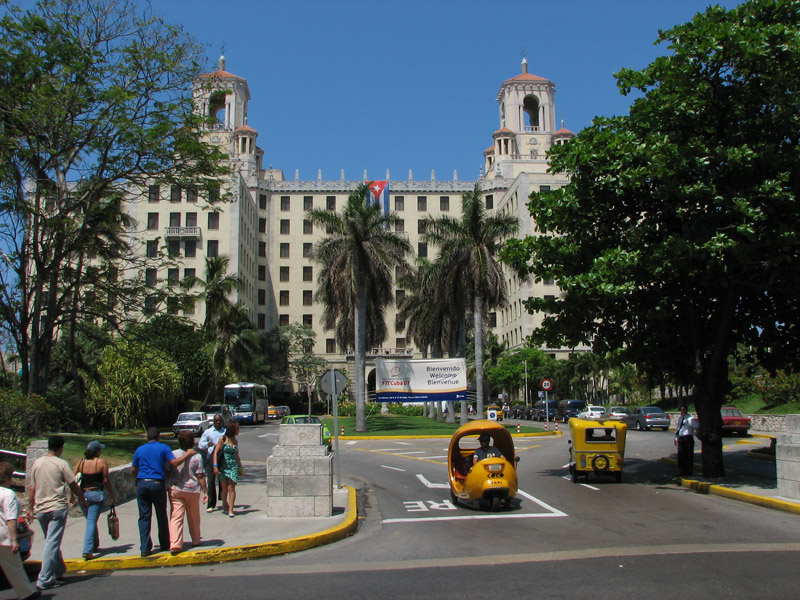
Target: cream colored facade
point(264, 231)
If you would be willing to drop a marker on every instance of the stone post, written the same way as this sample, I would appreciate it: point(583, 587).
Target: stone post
point(37, 449)
point(300, 473)
point(787, 457)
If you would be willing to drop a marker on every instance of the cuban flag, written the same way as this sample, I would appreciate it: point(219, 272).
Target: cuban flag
point(379, 194)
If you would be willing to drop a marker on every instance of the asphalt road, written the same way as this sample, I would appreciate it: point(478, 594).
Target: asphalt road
point(643, 537)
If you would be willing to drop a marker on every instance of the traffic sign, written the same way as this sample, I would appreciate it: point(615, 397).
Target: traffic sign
point(547, 385)
point(331, 377)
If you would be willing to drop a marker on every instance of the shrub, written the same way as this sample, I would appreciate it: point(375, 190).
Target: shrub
point(22, 417)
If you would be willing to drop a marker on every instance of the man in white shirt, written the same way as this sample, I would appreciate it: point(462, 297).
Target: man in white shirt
point(685, 430)
point(208, 442)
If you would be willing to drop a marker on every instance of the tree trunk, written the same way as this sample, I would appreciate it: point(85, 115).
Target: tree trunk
point(451, 412)
point(464, 413)
point(360, 327)
point(478, 312)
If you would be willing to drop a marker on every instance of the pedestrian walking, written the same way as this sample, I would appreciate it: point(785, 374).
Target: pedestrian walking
point(685, 430)
point(10, 560)
point(149, 466)
point(96, 486)
point(207, 444)
point(186, 483)
point(228, 465)
point(48, 500)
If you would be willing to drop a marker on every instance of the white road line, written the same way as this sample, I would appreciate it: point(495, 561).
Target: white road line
point(393, 468)
point(428, 484)
point(351, 442)
point(591, 487)
point(440, 456)
point(404, 443)
point(474, 517)
point(544, 505)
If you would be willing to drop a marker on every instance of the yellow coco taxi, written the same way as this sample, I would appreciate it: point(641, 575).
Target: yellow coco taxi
point(597, 446)
point(487, 481)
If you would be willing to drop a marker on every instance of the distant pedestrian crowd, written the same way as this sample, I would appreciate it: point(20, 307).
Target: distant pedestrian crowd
point(181, 480)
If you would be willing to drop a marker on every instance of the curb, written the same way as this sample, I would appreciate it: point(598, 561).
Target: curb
point(720, 490)
point(226, 554)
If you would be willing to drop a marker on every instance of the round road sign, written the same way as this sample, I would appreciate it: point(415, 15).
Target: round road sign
point(547, 385)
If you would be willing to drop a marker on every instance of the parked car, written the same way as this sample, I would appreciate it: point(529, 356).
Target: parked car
point(618, 413)
point(733, 421)
point(272, 412)
point(648, 417)
point(551, 410)
point(305, 419)
point(493, 409)
point(283, 410)
point(516, 412)
point(593, 412)
point(566, 409)
point(218, 409)
point(196, 422)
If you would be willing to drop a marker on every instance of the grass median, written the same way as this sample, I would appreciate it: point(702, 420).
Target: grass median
point(405, 425)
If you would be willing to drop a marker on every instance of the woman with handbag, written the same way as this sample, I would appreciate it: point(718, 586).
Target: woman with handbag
point(9, 540)
point(92, 475)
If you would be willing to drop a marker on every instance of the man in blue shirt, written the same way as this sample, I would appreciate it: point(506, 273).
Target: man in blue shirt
point(149, 468)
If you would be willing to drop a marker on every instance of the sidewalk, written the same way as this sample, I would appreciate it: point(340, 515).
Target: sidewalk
point(249, 534)
point(749, 476)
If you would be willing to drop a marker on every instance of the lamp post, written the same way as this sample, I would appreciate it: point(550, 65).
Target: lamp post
point(526, 383)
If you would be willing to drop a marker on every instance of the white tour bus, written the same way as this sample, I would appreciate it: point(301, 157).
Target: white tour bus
point(248, 401)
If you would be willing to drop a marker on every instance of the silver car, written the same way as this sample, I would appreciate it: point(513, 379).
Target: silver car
point(648, 417)
point(196, 422)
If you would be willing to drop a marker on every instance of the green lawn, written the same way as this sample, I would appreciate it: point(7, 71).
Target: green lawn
point(119, 449)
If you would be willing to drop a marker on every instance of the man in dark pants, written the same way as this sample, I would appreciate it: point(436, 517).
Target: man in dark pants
point(208, 442)
point(149, 468)
point(684, 440)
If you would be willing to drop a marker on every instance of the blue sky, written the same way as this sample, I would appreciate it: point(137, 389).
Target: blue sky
point(412, 84)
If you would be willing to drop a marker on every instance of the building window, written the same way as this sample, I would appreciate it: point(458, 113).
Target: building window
point(262, 249)
point(174, 248)
point(154, 193)
point(191, 194)
point(308, 320)
point(262, 201)
point(262, 273)
point(330, 323)
point(330, 203)
point(190, 248)
point(489, 202)
point(399, 203)
point(151, 277)
point(172, 277)
point(330, 346)
point(549, 281)
point(284, 273)
point(308, 227)
point(262, 297)
point(212, 249)
point(285, 203)
point(152, 248)
point(191, 219)
point(422, 250)
point(262, 225)
point(152, 221)
point(213, 195)
point(262, 321)
point(444, 203)
point(422, 226)
point(283, 320)
point(399, 296)
point(400, 343)
point(150, 305)
point(284, 250)
point(174, 219)
point(285, 226)
point(284, 298)
point(400, 225)
point(307, 249)
point(188, 274)
point(308, 273)
point(422, 203)
point(174, 194)
point(492, 319)
point(213, 220)
point(308, 203)
point(307, 297)
point(544, 188)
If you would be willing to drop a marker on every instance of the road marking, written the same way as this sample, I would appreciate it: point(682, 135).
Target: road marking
point(591, 487)
point(440, 456)
point(409, 452)
point(393, 468)
point(400, 455)
point(428, 484)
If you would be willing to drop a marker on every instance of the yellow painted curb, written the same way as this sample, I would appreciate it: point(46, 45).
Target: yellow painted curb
point(229, 553)
point(721, 490)
point(445, 436)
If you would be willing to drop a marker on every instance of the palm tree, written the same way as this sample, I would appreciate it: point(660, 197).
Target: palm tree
point(216, 290)
point(234, 344)
point(468, 268)
point(358, 259)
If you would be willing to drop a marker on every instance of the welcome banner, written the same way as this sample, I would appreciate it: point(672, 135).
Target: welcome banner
point(405, 380)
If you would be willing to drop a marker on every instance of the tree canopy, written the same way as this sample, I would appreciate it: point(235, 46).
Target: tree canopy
point(676, 236)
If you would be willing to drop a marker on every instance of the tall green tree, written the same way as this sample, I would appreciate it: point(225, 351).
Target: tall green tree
point(95, 101)
point(215, 291)
point(676, 238)
point(468, 265)
point(305, 367)
point(358, 259)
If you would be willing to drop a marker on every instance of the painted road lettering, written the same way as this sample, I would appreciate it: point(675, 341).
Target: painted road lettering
point(428, 505)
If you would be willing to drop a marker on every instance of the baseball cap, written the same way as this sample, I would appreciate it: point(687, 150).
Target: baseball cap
point(94, 446)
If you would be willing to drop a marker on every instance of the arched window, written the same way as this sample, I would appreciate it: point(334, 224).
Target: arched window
point(531, 107)
point(216, 107)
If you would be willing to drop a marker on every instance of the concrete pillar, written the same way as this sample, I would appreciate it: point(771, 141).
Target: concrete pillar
point(787, 456)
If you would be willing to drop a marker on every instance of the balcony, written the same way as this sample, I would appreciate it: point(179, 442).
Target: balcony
point(182, 232)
